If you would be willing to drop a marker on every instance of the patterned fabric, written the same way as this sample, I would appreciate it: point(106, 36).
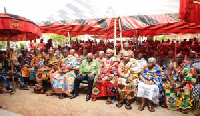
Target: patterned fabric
point(41, 74)
point(25, 71)
point(157, 76)
point(180, 96)
point(35, 60)
point(128, 88)
point(107, 85)
point(53, 61)
point(64, 82)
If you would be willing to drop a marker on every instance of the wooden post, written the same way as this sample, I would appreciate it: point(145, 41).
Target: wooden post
point(11, 61)
point(69, 39)
point(175, 50)
point(120, 30)
point(115, 32)
point(136, 37)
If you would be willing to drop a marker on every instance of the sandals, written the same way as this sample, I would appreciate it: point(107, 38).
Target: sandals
point(184, 112)
point(151, 109)
point(119, 104)
point(50, 94)
point(62, 96)
point(141, 107)
point(108, 101)
point(128, 106)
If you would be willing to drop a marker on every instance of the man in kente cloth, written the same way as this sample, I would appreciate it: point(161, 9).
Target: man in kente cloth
point(128, 71)
point(181, 77)
point(105, 83)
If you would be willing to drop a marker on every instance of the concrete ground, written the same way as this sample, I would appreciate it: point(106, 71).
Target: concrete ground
point(27, 103)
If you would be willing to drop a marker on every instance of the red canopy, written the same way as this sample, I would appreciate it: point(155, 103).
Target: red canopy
point(190, 11)
point(17, 28)
point(105, 26)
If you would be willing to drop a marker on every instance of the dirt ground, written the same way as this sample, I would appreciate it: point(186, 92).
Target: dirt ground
point(27, 103)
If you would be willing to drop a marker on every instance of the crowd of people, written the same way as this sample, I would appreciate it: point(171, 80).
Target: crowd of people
point(161, 73)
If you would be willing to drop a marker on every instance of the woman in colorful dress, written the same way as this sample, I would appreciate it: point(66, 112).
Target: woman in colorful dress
point(128, 71)
point(105, 83)
point(151, 84)
point(178, 92)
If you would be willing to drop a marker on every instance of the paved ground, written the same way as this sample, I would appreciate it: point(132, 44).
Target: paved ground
point(27, 103)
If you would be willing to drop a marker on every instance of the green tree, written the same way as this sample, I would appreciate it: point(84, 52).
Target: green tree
point(61, 39)
point(3, 44)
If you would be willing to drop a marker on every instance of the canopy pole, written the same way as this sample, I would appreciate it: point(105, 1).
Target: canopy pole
point(11, 61)
point(115, 32)
point(120, 30)
point(175, 50)
point(136, 37)
point(69, 39)
point(5, 10)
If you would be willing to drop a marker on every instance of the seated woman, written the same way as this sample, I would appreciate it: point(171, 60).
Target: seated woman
point(128, 71)
point(63, 79)
point(151, 82)
point(105, 83)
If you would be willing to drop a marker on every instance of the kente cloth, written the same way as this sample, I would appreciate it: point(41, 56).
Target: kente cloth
point(107, 85)
point(180, 96)
point(35, 60)
point(63, 82)
point(128, 88)
point(156, 75)
point(53, 61)
point(25, 71)
point(41, 74)
point(150, 92)
point(71, 62)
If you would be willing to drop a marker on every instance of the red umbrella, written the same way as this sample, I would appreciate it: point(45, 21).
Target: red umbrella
point(16, 28)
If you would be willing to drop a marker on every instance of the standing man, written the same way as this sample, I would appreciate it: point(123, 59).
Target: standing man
point(88, 69)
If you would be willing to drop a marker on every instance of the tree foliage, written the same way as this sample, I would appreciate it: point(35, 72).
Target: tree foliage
point(161, 38)
point(61, 39)
point(3, 44)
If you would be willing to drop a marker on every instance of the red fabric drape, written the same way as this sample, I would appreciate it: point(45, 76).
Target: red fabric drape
point(189, 11)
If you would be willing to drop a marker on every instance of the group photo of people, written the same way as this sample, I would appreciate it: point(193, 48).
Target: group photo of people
point(100, 58)
point(151, 73)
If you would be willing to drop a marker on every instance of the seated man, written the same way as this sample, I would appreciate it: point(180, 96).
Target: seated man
point(105, 83)
point(87, 70)
point(150, 84)
point(181, 77)
point(63, 79)
point(128, 71)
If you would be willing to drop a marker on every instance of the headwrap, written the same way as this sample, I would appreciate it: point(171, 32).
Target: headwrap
point(153, 60)
point(101, 52)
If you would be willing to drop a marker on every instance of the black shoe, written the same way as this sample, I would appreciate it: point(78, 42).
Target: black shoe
point(87, 97)
point(73, 96)
point(0, 106)
point(23, 87)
